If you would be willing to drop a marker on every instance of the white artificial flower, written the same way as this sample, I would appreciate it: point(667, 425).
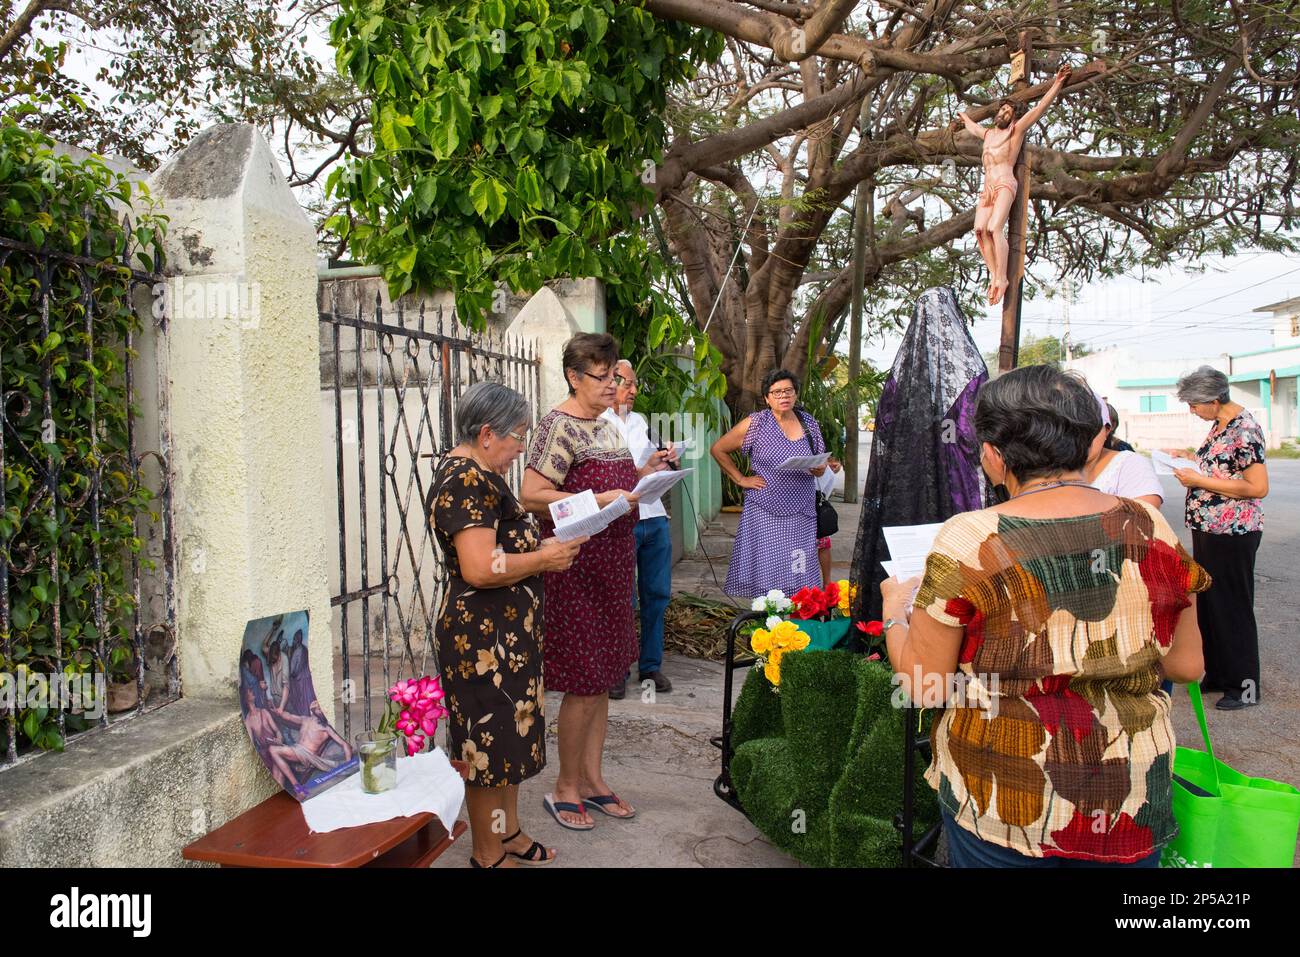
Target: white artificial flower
point(785, 604)
point(759, 604)
point(776, 596)
point(772, 622)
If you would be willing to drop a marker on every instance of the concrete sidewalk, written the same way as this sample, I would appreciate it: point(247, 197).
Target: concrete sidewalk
point(658, 756)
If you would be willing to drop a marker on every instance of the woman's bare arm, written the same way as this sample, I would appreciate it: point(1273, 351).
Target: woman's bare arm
point(1185, 660)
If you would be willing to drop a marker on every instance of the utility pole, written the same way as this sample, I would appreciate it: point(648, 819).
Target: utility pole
point(1065, 310)
point(1009, 351)
point(864, 213)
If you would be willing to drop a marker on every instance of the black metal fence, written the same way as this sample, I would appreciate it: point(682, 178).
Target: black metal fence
point(73, 484)
point(391, 384)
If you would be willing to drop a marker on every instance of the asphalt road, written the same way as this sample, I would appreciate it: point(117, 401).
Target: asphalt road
point(1263, 741)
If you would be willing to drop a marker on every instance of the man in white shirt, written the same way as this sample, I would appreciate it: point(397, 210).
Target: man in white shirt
point(654, 548)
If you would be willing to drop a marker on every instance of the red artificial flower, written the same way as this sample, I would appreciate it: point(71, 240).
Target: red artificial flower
point(808, 603)
point(873, 628)
point(832, 595)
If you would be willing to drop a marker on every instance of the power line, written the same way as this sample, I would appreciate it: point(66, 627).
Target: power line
point(1206, 302)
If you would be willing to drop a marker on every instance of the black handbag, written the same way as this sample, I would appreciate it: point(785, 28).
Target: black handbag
point(828, 520)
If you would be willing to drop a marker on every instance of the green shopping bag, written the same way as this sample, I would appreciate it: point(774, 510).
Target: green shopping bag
point(1226, 819)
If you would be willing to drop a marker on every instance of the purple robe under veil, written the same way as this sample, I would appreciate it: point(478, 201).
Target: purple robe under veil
point(924, 455)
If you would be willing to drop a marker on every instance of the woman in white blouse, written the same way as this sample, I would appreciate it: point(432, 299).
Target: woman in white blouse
point(1126, 474)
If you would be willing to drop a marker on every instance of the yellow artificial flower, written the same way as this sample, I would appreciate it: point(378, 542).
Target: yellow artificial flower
point(848, 592)
point(760, 641)
point(773, 670)
point(787, 637)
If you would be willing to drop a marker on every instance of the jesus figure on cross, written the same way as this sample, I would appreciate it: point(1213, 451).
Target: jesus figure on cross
point(1002, 144)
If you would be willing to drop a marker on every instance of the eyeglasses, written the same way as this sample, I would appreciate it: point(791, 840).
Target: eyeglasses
point(603, 379)
point(521, 439)
point(782, 393)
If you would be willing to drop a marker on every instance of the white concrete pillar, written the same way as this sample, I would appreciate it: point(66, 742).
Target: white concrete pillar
point(242, 362)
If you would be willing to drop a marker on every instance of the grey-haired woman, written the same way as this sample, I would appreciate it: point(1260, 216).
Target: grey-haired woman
point(488, 630)
point(1224, 513)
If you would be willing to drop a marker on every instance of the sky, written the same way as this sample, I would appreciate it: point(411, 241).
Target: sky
point(1175, 314)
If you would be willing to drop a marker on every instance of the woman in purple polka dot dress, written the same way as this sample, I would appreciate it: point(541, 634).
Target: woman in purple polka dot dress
point(776, 543)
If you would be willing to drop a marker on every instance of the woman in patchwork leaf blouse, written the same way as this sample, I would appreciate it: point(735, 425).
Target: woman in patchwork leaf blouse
point(1046, 625)
point(488, 632)
point(1224, 513)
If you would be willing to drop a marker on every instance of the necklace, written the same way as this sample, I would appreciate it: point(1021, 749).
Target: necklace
point(1044, 488)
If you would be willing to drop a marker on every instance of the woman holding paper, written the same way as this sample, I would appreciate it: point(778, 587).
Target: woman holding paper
point(1045, 625)
point(590, 637)
point(776, 541)
point(1223, 511)
point(487, 633)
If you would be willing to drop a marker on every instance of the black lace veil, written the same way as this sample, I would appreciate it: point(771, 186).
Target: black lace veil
point(924, 457)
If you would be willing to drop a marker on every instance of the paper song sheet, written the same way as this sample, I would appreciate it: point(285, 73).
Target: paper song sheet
point(799, 463)
point(1165, 463)
point(579, 515)
point(908, 547)
point(653, 486)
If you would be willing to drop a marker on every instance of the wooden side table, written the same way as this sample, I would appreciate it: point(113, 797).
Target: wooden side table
point(275, 834)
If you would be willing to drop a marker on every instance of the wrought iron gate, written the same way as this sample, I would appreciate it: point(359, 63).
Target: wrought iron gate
point(393, 384)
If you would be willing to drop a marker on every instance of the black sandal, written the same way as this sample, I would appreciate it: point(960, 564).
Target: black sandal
point(473, 862)
point(534, 856)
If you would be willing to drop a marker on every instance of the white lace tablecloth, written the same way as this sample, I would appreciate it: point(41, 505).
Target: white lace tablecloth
point(425, 782)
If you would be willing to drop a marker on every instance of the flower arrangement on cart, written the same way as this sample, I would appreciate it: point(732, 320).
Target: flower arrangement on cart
point(815, 731)
point(816, 619)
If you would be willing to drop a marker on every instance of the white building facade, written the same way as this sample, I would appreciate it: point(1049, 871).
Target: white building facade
point(1142, 386)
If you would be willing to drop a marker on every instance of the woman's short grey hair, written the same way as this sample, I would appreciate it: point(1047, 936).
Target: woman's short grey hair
point(497, 406)
point(1206, 384)
point(1041, 419)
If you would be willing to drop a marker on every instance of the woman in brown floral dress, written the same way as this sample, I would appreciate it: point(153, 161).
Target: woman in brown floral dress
point(488, 630)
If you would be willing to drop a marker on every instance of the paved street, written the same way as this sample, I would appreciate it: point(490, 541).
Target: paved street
point(1263, 741)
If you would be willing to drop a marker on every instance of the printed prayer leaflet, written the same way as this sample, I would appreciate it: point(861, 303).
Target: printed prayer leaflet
point(652, 487)
point(1166, 463)
point(800, 463)
point(578, 515)
point(908, 547)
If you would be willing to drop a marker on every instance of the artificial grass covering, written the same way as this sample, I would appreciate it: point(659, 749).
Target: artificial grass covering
point(819, 767)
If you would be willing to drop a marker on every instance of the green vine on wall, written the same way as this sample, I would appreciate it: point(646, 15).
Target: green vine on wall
point(515, 143)
point(62, 206)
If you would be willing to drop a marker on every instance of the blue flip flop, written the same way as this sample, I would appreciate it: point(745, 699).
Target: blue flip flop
point(554, 808)
point(601, 803)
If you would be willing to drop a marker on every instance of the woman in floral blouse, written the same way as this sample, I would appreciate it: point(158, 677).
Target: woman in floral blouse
point(1226, 520)
point(488, 633)
point(1045, 625)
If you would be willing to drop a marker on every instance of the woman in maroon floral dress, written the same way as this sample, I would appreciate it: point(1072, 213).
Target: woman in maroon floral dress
point(590, 638)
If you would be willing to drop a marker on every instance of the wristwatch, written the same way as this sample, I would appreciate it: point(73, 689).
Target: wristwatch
point(890, 623)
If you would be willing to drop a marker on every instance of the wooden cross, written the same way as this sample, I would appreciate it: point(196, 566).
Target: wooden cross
point(1017, 223)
